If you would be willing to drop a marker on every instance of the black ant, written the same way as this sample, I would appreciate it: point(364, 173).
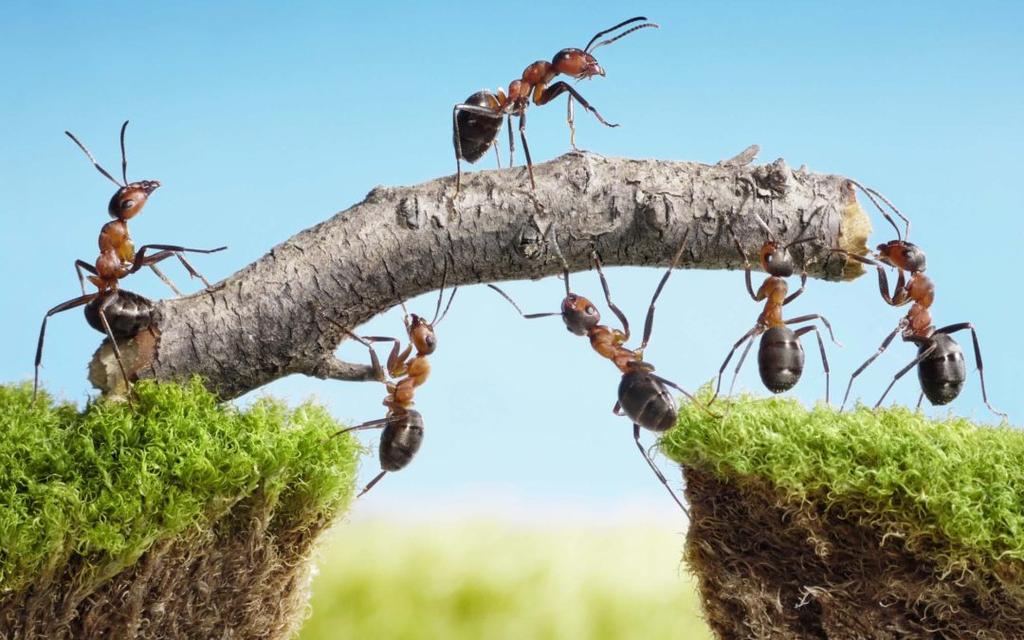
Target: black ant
point(780, 356)
point(477, 121)
point(642, 396)
point(940, 364)
point(118, 313)
point(403, 425)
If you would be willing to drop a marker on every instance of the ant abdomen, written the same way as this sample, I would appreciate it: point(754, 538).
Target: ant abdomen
point(127, 315)
point(943, 372)
point(476, 133)
point(400, 440)
point(780, 359)
point(646, 401)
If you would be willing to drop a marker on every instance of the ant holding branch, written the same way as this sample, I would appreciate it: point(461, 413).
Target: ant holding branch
point(402, 426)
point(642, 395)
point(941, 369)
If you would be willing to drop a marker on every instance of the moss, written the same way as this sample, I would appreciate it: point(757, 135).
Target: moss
point(85, 494)
point(860, 524)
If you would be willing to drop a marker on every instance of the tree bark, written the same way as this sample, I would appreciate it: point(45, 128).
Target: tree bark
point(270, 319)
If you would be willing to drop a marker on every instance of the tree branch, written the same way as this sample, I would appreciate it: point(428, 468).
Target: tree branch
point(259, 324)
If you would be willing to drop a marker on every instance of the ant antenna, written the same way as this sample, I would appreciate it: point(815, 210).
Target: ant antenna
point(440, 292)
point(590, 48)
point(872, 194)
point(94, 163)
point(124, 159)
point(561, 258)
point(446, 308)
point(803, 239)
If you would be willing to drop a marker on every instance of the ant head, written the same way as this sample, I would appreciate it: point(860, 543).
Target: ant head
point(776, 260)
point(579, 314)
point(421, 334)
point(902, 255)
point(576, 63)
point(129, 200)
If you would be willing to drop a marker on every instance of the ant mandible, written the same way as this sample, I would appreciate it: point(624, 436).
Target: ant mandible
point(780, 356)
point(477, 121)
point(118, 313)
point(940, 364)
point(642, 394)
point(402, 426)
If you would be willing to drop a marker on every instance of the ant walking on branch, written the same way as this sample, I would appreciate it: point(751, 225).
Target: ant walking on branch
point(940, 364)
point(402, 426)
point(118, 313)
point(780, 356)
point(477, 121)
point(642, 396)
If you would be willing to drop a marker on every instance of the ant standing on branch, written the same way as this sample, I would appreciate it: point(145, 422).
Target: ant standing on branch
point(403, 425)
point(477, 121)
point(940, 360)
point(119, 313)
point(642, 396)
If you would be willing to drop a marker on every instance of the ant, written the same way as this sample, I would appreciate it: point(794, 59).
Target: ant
point(477, 121)
point(403, 425)
point(940, 364)
point(642, 394)
point(780, 356)
point(118, 313)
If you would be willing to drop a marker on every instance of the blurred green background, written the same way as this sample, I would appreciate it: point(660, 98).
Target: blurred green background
point(381, 579)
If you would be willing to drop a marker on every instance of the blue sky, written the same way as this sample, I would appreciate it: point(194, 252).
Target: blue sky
point(262, 119)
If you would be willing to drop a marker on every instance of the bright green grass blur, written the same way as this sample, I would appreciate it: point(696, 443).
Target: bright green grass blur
point(502, 581)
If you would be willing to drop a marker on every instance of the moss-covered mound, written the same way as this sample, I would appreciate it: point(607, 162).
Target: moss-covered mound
point(180, 518)
point(867, 524)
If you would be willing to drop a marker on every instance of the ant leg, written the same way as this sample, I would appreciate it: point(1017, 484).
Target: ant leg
point(64, 306)
point(160, 274)
point(953, 328)
point(815, 316)
point(497, 153)
point(369, 486)
point(371, 424)
point(113, 343)
point(824, 359)
point(685, 393)
point(649, 322)
point(572, 124)
point(559, 88)
point(528, 316)
point(746, 264)
point(608, 297)
point(142, 261)
point(796, 294)
point(656, 470)
point(920, 399)
point(746, 336)
point(511, 143)
point(82, 264)
point(378, 370)
point(899, 295)
point(739, 365)
point(526, 147)
point(913, 363)
point(883, 347)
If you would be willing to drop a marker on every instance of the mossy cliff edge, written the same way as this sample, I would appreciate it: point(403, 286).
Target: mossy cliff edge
point(183, 518)
point(866, 524)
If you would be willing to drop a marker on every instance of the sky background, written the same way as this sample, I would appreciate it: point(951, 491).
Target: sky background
point(262, 119)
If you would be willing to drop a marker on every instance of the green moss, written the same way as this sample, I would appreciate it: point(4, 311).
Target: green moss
point(99, 486)
point(947, 482)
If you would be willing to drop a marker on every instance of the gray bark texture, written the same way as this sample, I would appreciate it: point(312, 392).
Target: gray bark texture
point(270, 319)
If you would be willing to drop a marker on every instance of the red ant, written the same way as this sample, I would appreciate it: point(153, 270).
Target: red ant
point(780, 356)
point(940, 364)
point(477, 121)
point(642, 395)
point(403, 425)
point(129, 312)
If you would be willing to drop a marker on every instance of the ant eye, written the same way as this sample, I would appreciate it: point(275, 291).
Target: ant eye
point(128, 204)
point(591, 310)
